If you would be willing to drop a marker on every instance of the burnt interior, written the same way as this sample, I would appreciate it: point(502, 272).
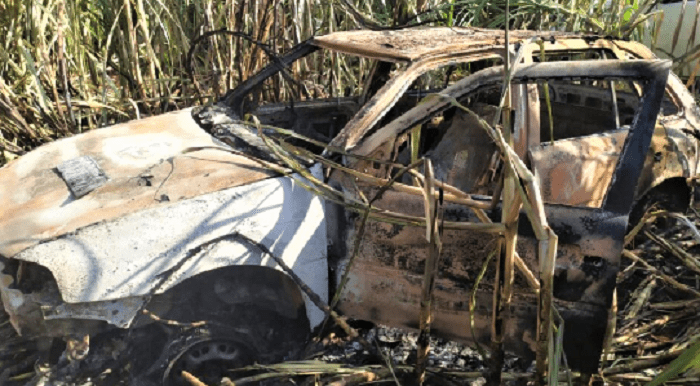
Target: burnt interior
point(311, 106)
point(590, 239)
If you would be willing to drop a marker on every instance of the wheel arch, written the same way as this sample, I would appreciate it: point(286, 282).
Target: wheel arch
point(232, 286)
point(676, 189)
point(258, 309)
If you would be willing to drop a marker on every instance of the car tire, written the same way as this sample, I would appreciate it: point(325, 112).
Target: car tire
point(222, 319)
point(207, 354)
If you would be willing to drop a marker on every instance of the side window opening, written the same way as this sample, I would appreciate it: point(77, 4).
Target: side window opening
point(625, 90)
point(461, 150)
point(433, 81)
point(440, 78)
point(586, 107)
point(313, 103)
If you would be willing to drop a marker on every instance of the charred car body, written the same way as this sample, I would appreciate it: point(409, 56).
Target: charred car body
point(148, 215)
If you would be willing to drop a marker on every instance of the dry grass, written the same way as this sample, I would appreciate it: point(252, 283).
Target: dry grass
point(71, 66)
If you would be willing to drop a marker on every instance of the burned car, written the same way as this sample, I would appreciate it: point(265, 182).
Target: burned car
point(178, 217)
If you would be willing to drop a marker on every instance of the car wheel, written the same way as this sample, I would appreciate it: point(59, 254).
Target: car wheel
point(219, 320)
point(206, 354)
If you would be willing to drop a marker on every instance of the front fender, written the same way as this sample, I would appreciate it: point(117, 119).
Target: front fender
point(148, 252)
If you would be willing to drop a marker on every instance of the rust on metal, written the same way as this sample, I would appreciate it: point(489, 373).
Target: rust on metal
point(589, 229)
point(145, 161)
point(590, 175)
point(417, 43)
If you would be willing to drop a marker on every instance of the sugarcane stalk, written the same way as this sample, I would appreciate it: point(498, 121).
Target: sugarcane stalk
point(322, 189)
point(688, 260)
point(547, 255)
point(547, 99)
point(610, 330)
point(191, 379)
point(432, 234)
point(503, 289)
point(472, 298)
point(673, 282)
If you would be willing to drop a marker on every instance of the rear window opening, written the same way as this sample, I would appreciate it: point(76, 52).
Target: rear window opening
point(434, 81)
point(584, 107)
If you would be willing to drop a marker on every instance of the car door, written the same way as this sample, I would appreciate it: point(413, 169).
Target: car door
point(385, 279)
point(590, 120)
point(579, 147)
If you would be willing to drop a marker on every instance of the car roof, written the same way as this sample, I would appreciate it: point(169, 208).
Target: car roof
point(414, 43)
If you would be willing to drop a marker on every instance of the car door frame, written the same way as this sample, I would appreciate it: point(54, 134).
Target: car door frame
point(586, 273)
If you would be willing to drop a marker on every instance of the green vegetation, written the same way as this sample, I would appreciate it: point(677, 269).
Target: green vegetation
point(67, 66)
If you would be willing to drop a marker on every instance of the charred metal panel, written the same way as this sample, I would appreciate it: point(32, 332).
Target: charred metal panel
point(186, 238)
point(577, 171)
point(417, 43)
point(585, 326)
point(145, 161)
point(391, 261)
point(392, 257)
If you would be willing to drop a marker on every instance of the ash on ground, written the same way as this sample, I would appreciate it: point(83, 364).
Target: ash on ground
point(400, 346)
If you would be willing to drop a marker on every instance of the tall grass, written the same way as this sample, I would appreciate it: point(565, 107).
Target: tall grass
point(70, 66)
point(67, 66)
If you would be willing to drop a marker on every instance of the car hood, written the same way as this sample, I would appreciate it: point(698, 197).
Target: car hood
point(147, 163)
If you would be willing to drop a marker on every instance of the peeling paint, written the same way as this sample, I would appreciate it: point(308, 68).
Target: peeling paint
point(161, 220)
